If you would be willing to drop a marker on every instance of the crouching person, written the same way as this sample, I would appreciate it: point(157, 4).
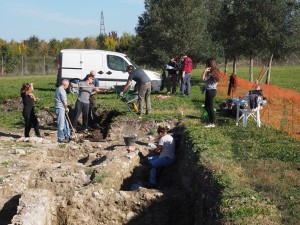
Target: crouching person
point(165, 154)
point(61, 108)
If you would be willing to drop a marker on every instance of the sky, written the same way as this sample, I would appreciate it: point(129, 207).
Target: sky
point(47, 19)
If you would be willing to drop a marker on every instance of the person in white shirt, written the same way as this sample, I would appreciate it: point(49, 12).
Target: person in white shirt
point(165, 154)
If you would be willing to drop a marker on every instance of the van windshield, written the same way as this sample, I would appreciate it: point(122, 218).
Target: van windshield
point(131, 62)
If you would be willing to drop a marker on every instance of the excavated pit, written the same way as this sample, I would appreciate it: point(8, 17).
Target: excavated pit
point(96, 181)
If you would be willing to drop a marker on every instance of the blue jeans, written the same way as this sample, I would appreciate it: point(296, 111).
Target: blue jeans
point(63, 129)
point(157, 162)
point(186, 84)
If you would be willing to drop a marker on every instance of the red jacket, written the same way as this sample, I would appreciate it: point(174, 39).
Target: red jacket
point(188, 65)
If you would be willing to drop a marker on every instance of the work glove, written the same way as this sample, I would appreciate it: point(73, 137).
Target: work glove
point(67, 110)
point(121, 94)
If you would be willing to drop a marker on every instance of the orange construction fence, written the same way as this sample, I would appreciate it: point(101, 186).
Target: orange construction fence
point(282, 110)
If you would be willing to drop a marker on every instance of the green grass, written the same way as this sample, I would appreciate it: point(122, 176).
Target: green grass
point(101, 177)
point(4, 164)
point(263, 163)
point(283, 76)
point(258, 167)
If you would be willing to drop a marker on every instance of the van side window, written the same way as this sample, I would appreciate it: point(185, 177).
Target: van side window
point(116, 63)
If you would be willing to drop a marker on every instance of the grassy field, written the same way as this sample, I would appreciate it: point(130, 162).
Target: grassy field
point(283, 76)
point(258, 168)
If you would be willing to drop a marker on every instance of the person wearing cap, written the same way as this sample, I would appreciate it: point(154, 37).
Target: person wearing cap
point(172, 68)
point(187, 68)
point(143, 83)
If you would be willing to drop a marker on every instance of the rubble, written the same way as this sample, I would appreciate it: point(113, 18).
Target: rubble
point(93, 181)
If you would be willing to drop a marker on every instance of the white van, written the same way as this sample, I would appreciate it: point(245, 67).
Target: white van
point(75, 64)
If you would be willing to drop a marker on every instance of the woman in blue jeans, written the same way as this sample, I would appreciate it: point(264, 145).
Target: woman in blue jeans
point(165, 153)
point(211, 76)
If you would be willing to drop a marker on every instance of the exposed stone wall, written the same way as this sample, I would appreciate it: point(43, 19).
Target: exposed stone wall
point(36, 206)
point(99, 182)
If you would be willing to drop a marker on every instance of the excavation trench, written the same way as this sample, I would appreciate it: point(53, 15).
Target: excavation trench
point(96, 181)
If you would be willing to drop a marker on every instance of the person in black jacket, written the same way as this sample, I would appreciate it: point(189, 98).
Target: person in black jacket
point(30, 118)
point(172, 68)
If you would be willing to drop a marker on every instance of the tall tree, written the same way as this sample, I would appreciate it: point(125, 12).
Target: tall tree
point(10, 54)
point(33, 45)
point(110, 43)
point(90, 43)
point(126, 42)
point(72, 43)
point(257, 28)
point(100, 41)
point(44, 48)
point(168, 27)
point(54, 47)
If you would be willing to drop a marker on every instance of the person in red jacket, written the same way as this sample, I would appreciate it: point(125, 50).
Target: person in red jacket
point(187, 68)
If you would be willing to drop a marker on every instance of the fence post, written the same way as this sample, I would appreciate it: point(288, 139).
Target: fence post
point(293, 101)
point(2, 70)
point(44, 65)
point(22, 65)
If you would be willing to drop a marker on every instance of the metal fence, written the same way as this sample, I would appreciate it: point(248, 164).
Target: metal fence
point(48, 65)
point(31, 65)
point(282, 110)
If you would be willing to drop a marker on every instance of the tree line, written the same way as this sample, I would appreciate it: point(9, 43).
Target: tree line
point(227, 30)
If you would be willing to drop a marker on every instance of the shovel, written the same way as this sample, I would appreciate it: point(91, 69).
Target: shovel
point(74, 133)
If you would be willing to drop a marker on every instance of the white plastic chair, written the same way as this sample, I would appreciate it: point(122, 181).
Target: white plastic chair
point(247, 112)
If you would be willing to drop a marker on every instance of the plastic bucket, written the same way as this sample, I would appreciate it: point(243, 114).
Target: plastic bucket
point(129, 141)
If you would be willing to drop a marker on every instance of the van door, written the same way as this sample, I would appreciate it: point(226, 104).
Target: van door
point(71, 65)
point(116, 73)
point(94, 61)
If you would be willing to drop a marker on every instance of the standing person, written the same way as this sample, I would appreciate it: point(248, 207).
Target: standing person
point(165, 154)
point(30, 118)
point(232, 84)
point(144, 87)
point(93, 99)
point(172, 68)
point(211, 76)
point(180, 79)
point(163, 79)
point(187, 68)
point(86, 89)
point(61, 108)
point(256, 85)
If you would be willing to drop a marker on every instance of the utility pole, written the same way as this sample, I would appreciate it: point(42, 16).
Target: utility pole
point(102, 27)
